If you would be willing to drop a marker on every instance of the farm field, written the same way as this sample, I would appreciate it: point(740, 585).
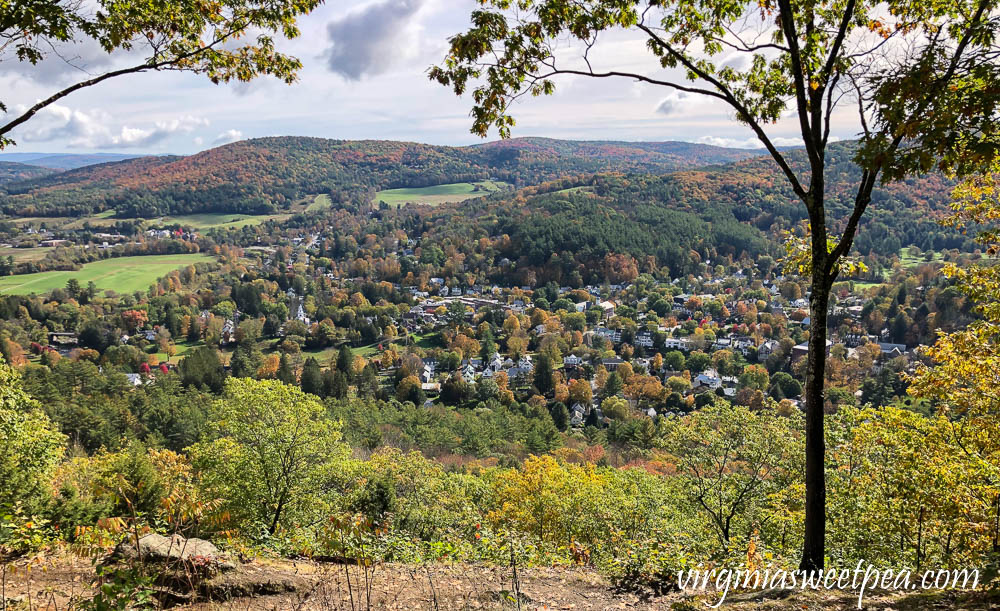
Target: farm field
point(908, 260)
point(212, 220)
point(438, 194)
point(583, 189)
point(322, 202)
point(208, 220)
point(25, 254)
point(122, 275)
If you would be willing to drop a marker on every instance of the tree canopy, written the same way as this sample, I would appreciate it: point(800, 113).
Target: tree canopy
point(199, 37)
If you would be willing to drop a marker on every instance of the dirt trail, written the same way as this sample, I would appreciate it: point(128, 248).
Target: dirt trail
point(54, 582)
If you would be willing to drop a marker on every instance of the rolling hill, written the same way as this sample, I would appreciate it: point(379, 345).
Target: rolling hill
point(11, 171)
point(64, 161)
point(266, 175)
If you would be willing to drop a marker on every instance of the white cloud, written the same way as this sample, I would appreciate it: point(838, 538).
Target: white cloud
point(673, 103)
point(95, 129)
point(750, 143)
point(371, 40)
point(230, 135)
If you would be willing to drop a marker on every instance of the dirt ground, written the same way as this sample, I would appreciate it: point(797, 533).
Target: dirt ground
point(55, 582)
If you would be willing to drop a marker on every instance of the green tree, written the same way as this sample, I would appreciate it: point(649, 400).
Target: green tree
point(31, 446)
point(345, 360)
point(734, 462)
point(488, 347)
point(285, 372)
point(312, 378)
point(73, 288)
point(273, 452)
point(698, 361)
point(334, 384)
point(203, 367)
point(202, 38)
point(755, 377)
point(560, 415)
point(455, 313)
point(368, 381)
point(543, 374)
point(246, 360)
point(614, 386)
point(923, 79)
point(674, 360)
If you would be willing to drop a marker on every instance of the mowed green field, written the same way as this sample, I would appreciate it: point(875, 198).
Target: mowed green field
point(211, 220)
point(438, 194)
point(122, 275)
point(321, 202)
point(25, 254)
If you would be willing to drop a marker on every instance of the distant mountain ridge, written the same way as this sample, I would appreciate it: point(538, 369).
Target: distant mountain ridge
point(266, 174)
point(65, 161)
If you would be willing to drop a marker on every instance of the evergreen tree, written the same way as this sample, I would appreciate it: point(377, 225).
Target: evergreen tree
point(246, 361)
point(488, 347)
point(345, 359)
point(334, 384)
point(312, 378)
point(73, 288)
point(560, 415)
point(203, 368)
point(613, 387)
point(368, 384)
point(285, 372)
point(543, 374)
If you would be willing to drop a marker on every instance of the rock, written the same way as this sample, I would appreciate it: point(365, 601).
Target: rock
point(157, 548)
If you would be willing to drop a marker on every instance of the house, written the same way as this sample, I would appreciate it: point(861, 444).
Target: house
point(63, 339)
point(709, 379)
point(853, 340)
point(891, 351)
point(612, 364)
point(612, 335)
point(677, 343)
point(800, 351)
point(766, 349)
point(228, 332)
point(644, 339)
point(134, 379)
point(572, 361)
point(496, 363)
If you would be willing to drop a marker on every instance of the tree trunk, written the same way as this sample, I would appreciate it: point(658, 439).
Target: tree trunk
point(813, 547)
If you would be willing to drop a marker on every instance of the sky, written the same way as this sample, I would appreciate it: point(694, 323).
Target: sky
point(364, 77)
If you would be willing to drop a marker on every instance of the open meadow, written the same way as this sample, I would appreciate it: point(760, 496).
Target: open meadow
point(438, 194)
point(122, 274)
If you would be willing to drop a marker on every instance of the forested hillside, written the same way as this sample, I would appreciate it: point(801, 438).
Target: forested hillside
point(10, 171)
point(901, 214)
point(265, 175)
